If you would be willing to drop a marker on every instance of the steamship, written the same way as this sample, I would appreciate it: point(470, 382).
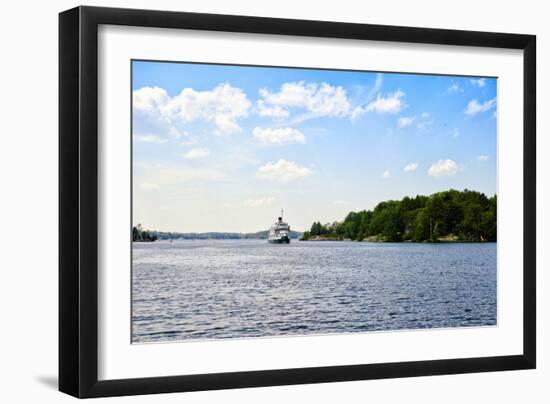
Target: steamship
point(279, 232)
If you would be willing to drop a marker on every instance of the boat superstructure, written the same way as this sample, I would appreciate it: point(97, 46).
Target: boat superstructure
point(279, 232)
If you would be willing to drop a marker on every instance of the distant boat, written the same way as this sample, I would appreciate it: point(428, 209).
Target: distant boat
point(279, 232)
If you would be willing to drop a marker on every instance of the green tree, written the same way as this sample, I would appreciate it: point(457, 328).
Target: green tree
point(466, 215)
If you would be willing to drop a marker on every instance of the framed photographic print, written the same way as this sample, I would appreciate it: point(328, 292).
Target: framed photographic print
point(251, 201)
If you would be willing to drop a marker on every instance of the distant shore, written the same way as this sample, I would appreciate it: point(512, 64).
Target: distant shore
point(152, 235)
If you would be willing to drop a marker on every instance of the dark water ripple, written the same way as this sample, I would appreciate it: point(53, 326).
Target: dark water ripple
point(248, 288)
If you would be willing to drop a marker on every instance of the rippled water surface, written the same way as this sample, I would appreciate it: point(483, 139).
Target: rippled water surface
point(249, 288)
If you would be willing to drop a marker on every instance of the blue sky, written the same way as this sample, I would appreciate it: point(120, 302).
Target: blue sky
point(224, 148)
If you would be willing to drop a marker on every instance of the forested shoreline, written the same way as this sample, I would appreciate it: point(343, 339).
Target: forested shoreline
point(448, 216)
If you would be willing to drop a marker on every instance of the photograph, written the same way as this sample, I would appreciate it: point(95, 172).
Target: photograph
point(274, 201)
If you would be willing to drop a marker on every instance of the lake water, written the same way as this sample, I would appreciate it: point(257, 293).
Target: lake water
point(249, 288)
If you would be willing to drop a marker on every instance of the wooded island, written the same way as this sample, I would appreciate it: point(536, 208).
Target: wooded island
point(442, 217)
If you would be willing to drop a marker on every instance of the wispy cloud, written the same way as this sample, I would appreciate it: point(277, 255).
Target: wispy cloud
point(425, 124)
point(386, 174)
point(282, 171)
point(421, 123)
point(483, 157)
point(443, 168)
point(455, 88)
point(405, 121)
point(359, 108)
point(474, 107)
point(278, 136)
point(391, 103)
point(478, 82)
point(197, 153)
point(411, 167)
point(375, 88)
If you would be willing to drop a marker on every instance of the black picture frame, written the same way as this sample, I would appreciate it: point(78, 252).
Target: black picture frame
point(78, 201)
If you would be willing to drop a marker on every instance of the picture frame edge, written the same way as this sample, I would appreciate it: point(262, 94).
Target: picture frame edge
point(78, 205)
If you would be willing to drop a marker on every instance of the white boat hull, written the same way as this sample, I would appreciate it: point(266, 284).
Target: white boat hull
point(279, 240)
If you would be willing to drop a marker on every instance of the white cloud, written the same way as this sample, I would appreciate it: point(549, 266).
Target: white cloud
point(254, 203)
point(276, 112)
point(150, 99)
point(386, 174)
point(223, 105)
point(319, 99)
point(483, 157)
point(410, 167)
point(150, 138)
point(392, 103)
point(282, 171)
point(474, 107)
point(443, 168)
point(425, 115)
point(377, 85)
point(478, 82)
point(197, 153)
point(405, 121)
point(279, 136)
point(455, 133)
point(375, 89)
point(455, 88)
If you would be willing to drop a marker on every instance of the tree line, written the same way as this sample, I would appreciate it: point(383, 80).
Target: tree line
point(139, 234)
point(444, 216)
